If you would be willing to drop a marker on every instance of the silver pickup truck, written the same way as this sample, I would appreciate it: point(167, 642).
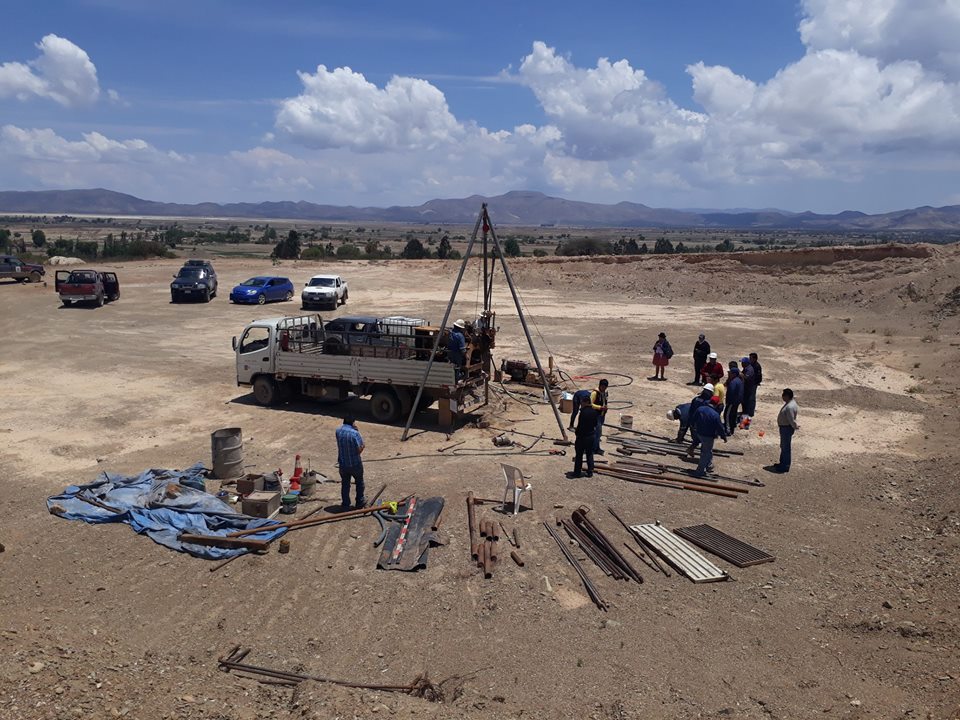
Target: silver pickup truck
point(284, 357)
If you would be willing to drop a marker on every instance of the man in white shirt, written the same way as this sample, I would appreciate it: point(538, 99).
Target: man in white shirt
point(787, 423)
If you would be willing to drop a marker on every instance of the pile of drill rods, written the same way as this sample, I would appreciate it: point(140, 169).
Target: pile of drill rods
point(234, 661)
point(598, 547)
point(693, 484)
point(654, 467)
point(626, 467)
point(654, 562)
point(483, 537)
point(665, 447)
point(587, 582)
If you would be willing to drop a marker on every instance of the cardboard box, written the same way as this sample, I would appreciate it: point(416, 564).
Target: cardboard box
point(261, 504)
point(566, 403)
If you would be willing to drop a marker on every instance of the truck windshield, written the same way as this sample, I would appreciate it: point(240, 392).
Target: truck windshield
point(190, 272)
point(80, 278)
point(322, 282)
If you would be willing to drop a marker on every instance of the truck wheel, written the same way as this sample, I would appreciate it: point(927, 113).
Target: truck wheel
point(99, 301)
point(265, 391)
point(115, 296)
point(173, 298)
point(34, 277)
point(206, 296)
point(384, 406)
point(344, 299)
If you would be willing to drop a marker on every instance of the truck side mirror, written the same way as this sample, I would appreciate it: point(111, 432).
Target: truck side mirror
point(234, 343)
point(305, 284)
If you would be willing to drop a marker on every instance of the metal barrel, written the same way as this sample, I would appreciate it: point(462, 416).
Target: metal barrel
point(226, 446)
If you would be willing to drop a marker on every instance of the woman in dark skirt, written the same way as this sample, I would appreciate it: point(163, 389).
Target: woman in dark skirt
point(662, 352)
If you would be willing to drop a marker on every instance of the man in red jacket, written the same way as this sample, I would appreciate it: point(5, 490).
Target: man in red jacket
point(713, 367)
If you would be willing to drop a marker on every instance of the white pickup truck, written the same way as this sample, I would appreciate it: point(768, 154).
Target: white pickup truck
point(324, 291)
point(286, 357)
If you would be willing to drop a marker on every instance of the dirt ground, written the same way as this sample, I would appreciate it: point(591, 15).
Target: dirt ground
point(856, 618)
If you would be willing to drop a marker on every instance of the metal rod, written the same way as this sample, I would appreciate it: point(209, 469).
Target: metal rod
point(523, 324)
point(304, 522)
point(472, 526)
point(639, 541)
point(587, 583)
point(443, 325)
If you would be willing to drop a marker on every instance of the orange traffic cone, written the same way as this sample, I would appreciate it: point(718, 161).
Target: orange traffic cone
point(297, 474)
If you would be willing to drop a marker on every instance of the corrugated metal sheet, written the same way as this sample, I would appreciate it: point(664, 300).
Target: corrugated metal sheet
point(725, 546)
point(679, 553)
point(360, 369)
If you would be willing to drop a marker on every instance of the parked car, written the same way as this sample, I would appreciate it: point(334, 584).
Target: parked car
point(324, 291)
point(93, 286)
point(193, 282)
point(262, 289)
point(15, 269)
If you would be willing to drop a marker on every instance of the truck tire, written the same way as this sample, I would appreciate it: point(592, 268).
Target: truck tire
point(343, 300)
point(385, 406)
point(115, 296)
point(265, 391)
point(207, 296)
point(99, 300)
point(34, 277)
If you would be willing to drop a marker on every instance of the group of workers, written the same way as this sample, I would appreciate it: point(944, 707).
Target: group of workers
point(727, 400)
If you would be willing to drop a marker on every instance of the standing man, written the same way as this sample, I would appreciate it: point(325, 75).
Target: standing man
point(713, 367)
point(749, 387)
point(598, 399)
point(787, 422)
point(708, 426)
point(701, 348)
point(349, 448)
point(457, 348)
point(720, 390)
point(734, 398)
point(757, 373)
point(583, 445)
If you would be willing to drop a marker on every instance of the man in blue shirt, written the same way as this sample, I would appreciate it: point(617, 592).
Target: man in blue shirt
point(457, 347)
point(708, 427)
point(349, 448)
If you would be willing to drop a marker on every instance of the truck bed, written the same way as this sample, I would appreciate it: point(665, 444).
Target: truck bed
point(360, 370)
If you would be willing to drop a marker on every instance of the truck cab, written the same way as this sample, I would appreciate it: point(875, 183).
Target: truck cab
point(93, 286)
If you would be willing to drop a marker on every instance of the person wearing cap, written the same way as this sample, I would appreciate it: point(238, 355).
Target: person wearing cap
point(734, 398)
point(701, 349)
point(585, 437)
point(708, 428)
point(598, 401)
point(662, 352)
point(704, 397)
point(457, 348)
point(681, 413)
point(749, 387)
point(712, 367)
point(350, 447)
point(787, 424)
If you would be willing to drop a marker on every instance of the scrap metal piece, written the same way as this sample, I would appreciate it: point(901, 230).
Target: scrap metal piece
point(724, 546)
point(679, 553)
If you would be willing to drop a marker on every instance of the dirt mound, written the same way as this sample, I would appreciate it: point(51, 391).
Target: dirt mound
point(817, 256)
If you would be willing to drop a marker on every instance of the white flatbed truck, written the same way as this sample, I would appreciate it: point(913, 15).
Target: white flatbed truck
point(280, 358)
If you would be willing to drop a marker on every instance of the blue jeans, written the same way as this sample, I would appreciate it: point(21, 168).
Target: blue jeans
point(597, 434)
point(577, 399)
point(346, 473)
point(706, 454)
point(786, 436)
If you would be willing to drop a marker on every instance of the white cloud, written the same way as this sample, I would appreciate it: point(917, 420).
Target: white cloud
point(340, 108)
point(62, 72)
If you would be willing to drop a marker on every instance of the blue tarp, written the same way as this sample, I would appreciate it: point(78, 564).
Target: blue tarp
point(144, 505)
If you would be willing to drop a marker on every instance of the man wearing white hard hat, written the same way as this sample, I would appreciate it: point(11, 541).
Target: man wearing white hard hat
point(713, 367)
point(457, 347)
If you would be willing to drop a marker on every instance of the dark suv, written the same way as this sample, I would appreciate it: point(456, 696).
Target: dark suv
point(197, 280)
point(12, 267)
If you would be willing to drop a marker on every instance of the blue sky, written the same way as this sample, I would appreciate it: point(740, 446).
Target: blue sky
point(818, 104)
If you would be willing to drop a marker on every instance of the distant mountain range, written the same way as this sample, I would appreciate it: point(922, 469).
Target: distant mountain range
point(523, 208)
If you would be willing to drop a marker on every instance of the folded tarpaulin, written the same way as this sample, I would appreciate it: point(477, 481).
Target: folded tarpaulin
point(144, 503)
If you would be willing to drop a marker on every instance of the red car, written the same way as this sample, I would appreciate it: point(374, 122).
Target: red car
point(92, 286)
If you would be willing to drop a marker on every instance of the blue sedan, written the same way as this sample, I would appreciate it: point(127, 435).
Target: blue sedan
point(262, 289)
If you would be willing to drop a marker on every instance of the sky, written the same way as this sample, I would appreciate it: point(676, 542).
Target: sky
point(822, 105)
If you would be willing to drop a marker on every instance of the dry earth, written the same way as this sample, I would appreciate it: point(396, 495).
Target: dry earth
point(857, 618)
